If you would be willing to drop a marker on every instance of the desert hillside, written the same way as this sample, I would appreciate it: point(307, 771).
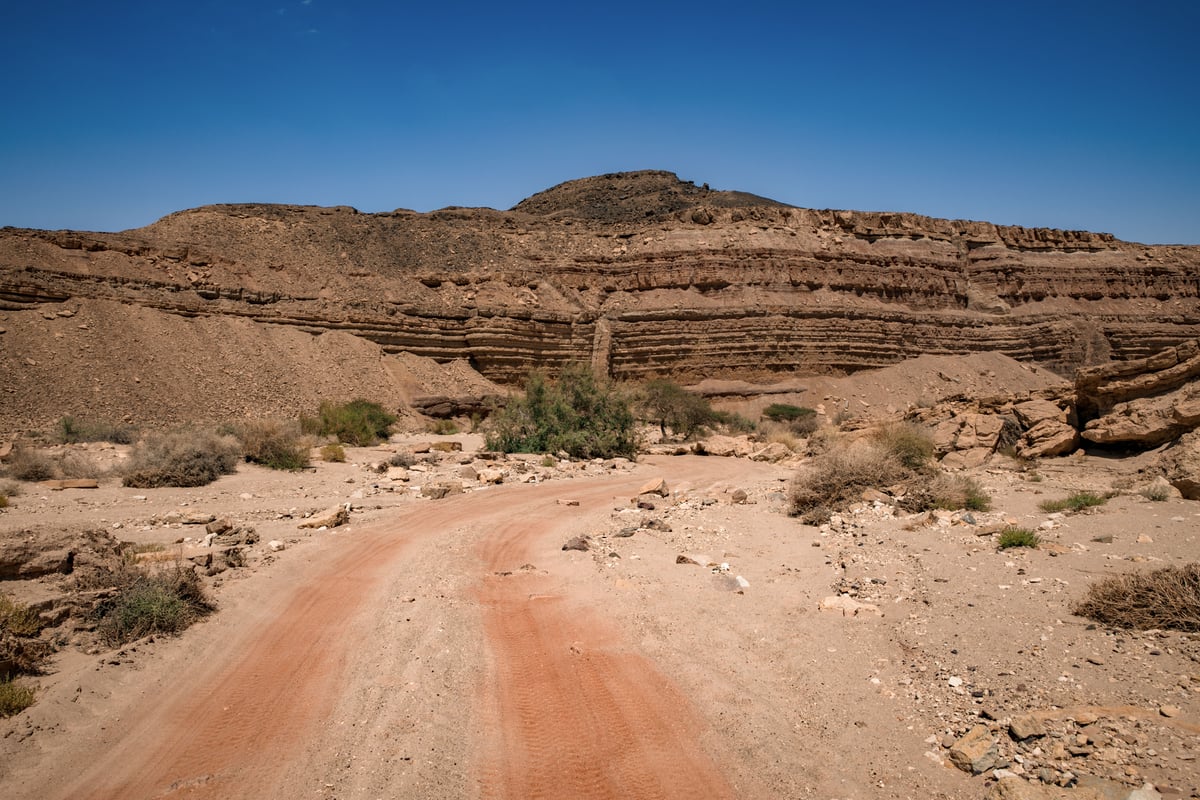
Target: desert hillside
point(639, 273)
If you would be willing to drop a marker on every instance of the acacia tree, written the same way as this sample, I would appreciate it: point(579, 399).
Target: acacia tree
point(672, 406)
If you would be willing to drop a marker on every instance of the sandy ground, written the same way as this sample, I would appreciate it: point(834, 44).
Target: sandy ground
point(452, 649)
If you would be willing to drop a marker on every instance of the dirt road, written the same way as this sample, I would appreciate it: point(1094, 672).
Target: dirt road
point(518, 688)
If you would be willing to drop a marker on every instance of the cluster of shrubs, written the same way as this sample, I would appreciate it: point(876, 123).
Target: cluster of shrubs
point(897, 457)
point(579, 414)
point(186, 458)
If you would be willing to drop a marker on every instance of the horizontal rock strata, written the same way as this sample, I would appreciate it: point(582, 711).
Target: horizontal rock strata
point(639, 274)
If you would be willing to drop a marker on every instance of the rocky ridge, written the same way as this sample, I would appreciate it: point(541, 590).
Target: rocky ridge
point(640, 274)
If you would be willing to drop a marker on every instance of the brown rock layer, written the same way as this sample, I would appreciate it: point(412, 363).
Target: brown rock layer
point(640, 274)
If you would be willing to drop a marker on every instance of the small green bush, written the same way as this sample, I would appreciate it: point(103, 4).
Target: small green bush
point(333, 452)
point(273, 444)
point(1017, 537)
point(359, 423)
point(1166, 598)
point(165, 602)
point(444, 427)
point(786, 412)
point(577, 414)
point(1074, 502)
point(3, 501)
point(72, 430)
point(15, 697)
point(184, 459)
point(911, 444)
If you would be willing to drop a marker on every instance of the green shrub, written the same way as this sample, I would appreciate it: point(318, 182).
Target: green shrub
point(911, 444)
point(3, 501)
point(333, 452)
point(194, 458)
point(577, 414)
point(837, 478)
point(1017, 537)
point(72, 430)
point(165, 602)
point(1074, 502)
point(786, 412)
point(672, 406)
point(1166, 598)
point(273, 444)
point(14, 697)
point(444, 427)
point(359, 423)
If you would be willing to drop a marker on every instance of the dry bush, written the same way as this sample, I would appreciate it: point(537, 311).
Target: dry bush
point(1167, 598)
point(15, 697)
point(334, 453)
point(838, 477)
point(72, 464)
point(780, 433)
point(910, 443)
point(949, 492)
point(21, 652)
point(162, 602)
point(10, 488)
point(72, 430)
point(273, 444)
point(27, 464)
point(193, 458)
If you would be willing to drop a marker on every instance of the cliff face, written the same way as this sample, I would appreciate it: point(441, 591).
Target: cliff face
point(641, 274)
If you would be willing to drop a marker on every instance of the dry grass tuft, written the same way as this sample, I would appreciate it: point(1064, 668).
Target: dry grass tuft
point(1167, 598)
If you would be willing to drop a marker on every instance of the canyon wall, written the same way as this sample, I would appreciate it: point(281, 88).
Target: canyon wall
point(640, 274)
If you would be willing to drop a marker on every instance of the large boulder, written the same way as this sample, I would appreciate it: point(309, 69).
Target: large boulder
point(1148, 422)
point(1049, 437)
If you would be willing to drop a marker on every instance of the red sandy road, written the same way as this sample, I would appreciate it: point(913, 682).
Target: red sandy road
point(571, 712)
point(576, 714)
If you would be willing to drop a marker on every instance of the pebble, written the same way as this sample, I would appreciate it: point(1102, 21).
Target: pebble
point(1169, 711)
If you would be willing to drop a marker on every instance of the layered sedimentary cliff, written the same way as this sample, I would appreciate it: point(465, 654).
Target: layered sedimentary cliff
point(640, 274)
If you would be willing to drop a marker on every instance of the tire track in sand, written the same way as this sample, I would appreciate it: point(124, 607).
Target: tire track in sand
point(571, 710)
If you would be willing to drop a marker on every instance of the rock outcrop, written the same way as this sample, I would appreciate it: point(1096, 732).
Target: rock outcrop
point(1143, 402)
point(639, 274)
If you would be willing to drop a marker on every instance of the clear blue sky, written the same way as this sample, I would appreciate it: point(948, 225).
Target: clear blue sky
point(1057, 113)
